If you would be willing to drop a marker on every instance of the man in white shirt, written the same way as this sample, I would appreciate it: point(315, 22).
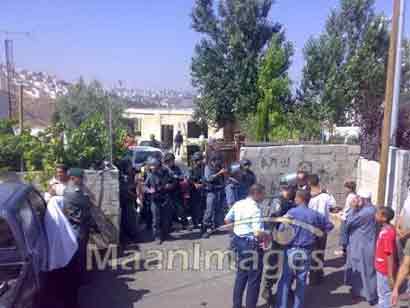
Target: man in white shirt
point(403, 224)
point(320, 202)
point(246, 216)
point(58, 183)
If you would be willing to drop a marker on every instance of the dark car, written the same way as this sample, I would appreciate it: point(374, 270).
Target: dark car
point(23, 246)
point(140, 154)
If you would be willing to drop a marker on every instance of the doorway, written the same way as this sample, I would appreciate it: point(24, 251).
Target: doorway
point(167, 135)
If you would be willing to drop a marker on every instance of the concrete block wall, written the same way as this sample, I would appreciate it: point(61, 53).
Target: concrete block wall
point(397, 187)
point(333, 163)
point(367, 176)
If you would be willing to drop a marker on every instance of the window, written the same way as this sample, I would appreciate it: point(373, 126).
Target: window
point(135, 126)
point(7, 240)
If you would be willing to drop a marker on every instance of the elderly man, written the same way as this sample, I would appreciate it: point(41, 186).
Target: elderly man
point(246, 215)
point(361, 232)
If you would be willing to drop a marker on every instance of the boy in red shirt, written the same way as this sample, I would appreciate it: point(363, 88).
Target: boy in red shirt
point(385, 257)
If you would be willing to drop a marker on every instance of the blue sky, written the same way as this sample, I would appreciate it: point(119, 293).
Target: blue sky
point(146, 43)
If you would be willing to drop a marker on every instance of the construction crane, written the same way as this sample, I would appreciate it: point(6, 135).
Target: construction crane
point(10, 69)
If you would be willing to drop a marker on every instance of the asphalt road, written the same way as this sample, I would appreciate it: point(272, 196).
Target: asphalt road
point(137, 284)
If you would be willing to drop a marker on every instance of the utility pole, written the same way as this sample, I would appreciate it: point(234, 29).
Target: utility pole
point(388, 104)
point(110, 132)
point(21, 109)
point(10, 67)
point(8, 46)
point(21, 121)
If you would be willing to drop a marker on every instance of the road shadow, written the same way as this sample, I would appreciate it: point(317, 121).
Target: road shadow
point(110, 288)
point(324, 295)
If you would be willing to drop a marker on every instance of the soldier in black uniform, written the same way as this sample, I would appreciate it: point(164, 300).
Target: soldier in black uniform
point(214, 176)
point(77, 205)
point(158, 185)
point(179, 212)
point(248, 178)
point(196, 178)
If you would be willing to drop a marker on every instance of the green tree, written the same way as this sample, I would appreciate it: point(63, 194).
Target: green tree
point(274, 91)
point(224, 68)
point(85, 100)
point(344, 76)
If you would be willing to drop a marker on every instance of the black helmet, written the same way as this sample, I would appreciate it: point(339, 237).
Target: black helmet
point(153, 162)
point(169, 156)
point(245, 162)
point(197, 156)
point(234, 168)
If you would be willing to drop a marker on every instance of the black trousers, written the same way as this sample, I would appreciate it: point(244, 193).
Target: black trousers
point(161, 218)
point(197, 207)
point(63, 285)
point(316, 274)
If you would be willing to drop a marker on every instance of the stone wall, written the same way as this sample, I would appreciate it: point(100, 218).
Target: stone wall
point(333, 163)
point(367, 176)
point(103, 185)
point(397, 186)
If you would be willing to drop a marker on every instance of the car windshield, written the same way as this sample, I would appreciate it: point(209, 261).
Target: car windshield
point(142, 156)
point(145, 143)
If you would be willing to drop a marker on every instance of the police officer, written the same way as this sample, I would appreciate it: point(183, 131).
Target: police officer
point(248, 177)
point(128, 197)
point(77, 205)
point(158, 185)
point(246, 216)
point(233, 188)
point(196, 180)
point(179, 212)
point(279, 207)
point(214, 176)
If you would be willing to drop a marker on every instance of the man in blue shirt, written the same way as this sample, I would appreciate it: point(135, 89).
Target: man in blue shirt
point(306, 226)
point(246, 216)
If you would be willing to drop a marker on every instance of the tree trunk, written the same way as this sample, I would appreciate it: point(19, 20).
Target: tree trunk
point(229, 131)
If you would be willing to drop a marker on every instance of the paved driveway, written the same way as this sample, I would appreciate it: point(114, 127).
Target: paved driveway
point(137, 286)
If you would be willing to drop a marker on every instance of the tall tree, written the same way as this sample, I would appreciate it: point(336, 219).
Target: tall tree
point(274, 91)
point(225, 65)
point(84, 101)
point(345, 70)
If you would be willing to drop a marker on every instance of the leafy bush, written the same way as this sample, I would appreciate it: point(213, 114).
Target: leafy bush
point(86, 146)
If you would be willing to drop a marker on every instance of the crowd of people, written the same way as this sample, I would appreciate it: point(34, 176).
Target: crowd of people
point(292, 229)
point(371, 245)
point(196, 198)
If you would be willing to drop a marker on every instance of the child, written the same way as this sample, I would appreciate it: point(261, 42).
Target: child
point(386, 256)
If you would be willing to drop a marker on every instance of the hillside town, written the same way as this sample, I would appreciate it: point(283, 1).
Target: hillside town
point(231, 153)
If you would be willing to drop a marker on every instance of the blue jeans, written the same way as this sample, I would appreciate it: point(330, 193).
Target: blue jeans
point(296, 265)
point(384, 291)
point(249, 271)
point(344, 237)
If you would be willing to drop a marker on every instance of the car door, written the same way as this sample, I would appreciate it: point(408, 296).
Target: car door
point(38, 207)
point(17, 286)
point(35, 254)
